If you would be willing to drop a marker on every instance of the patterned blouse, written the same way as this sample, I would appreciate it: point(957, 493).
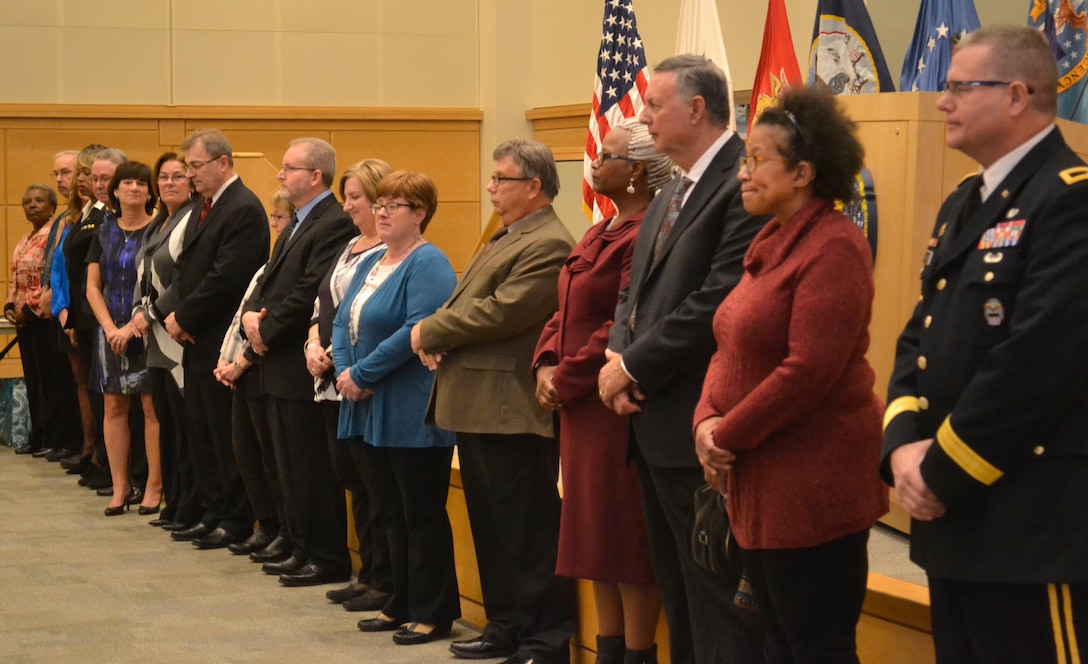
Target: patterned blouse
point(24, 288)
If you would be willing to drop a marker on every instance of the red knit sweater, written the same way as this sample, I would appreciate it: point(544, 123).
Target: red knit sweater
point(792, 384)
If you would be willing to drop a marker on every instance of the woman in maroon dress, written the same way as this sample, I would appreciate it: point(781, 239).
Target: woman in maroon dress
point(602, 533)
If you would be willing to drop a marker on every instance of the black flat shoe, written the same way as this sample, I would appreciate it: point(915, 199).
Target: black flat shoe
point(408, 637)
point(351, 591)
point(41, 452)
point(379, 625)
point(114, 511)
point(26, 450)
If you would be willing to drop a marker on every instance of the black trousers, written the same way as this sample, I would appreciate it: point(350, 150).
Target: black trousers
point(409, 488)
point(208, 429)
point(256, 460)
point(376, 570)
point(314, 503)
point(997, 623)
point(85, 340)
point(705, 626)
point(513, 506)
point(50, 388)
point(178, 480)
point(810, 599)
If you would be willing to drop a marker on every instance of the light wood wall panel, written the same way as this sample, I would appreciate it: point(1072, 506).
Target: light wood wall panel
point(444, 143)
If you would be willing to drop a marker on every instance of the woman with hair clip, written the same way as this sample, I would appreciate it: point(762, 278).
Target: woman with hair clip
point(120, 358)
point(602, 531)
point(788, 427)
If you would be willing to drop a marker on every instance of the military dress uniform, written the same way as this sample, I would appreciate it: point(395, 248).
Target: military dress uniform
point(993, 366)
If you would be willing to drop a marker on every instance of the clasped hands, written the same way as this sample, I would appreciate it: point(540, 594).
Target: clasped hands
point(615, 388)
point(429, 360)
point(910, 487)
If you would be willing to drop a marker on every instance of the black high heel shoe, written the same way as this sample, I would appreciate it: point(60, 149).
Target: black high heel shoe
point(144, 511)
point(114, 511)
point(135, 496)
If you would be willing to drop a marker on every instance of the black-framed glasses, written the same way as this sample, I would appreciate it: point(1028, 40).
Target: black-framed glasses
point(957, 88)
point(499, 179)
point(197, 165)
point(602, 157)
point(287, 169)
point(752, 162)
point(390, 208)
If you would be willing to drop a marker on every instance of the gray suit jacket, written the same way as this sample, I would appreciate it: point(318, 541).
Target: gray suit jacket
point(674, 297)
point(489, 329)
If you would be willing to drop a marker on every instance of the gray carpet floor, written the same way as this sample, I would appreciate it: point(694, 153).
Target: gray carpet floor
point(76, 586)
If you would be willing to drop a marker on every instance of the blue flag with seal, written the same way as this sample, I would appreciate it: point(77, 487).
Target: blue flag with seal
point(1064, 23)
point(941, 24)
point(845, 54)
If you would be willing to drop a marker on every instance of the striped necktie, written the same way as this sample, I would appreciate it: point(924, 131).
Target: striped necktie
point(671, 214)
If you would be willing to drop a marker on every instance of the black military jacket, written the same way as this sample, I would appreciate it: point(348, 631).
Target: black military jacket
point(993, 366)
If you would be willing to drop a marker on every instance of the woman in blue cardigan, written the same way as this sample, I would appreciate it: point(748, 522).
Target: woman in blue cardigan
point(405, 464)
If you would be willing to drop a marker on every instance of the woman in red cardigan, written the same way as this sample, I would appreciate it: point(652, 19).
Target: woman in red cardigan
point(602, 531)
point(788, 426)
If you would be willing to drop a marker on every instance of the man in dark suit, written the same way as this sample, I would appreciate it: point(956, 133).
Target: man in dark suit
point(224, 244)
point(986, 429)
point(276, 322)
point(687, 258)
point(484, 390)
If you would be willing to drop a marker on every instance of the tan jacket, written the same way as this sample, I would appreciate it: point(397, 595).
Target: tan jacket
point(489, 328)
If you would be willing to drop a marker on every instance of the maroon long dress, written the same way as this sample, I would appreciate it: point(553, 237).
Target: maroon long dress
point(602, 532)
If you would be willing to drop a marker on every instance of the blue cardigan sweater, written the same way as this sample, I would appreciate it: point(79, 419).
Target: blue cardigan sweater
point(382, 359)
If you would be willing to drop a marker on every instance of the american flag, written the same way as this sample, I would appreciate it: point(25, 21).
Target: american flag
point(617, 91)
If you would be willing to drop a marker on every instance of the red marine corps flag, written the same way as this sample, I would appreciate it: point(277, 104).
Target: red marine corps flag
point(777, 62)
point(617, 91)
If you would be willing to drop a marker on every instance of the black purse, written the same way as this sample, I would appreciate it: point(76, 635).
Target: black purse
point(712, 543)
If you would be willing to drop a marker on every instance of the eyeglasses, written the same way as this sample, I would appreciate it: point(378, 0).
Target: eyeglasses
point(602, 157)
point(280, 217)
point(499, 179)
point(197, 165)
point(957, 88)
point(176, 178)
point(752, 162)
point(287, 169)
point(390, 208)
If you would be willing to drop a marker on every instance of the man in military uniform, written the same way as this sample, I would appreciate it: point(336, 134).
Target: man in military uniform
point(986, 431)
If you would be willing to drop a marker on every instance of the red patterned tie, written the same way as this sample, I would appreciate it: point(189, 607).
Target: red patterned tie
point(204, 212)
point(671, 214)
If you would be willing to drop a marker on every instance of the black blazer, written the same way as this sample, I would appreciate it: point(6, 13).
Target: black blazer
point(217, 260)
point(287, 290)
point(993, 366)
point(80, 238)
point(675, 297)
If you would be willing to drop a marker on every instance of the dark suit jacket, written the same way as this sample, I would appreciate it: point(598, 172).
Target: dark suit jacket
point(80, 238)
point(287, 290)
point(675, 297)
point(489, 328)
point(993, 366)
point(217, 260)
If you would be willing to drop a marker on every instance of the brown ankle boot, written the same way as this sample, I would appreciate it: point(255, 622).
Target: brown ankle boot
point(610, 650)
point(648, 656)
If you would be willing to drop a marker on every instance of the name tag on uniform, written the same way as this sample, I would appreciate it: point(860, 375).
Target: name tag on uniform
point(1005, 234)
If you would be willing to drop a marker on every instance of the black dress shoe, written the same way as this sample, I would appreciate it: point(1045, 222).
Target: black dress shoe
point(312, 574)
point(278, 549)
point(105, 491)
point(291, 564)
point(371, 600)
point(175, 526)
point(379, 625)
point(216, 539)
point(257, 541)
point(61, 454)
point(26, 450)
point(350, 591)
point(518, 659)
point(100, 480)
point(481, 647)
point(41, 452)
point(160, 522)
point(190, 533)
point(408, 637)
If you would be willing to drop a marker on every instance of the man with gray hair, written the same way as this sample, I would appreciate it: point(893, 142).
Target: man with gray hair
point(276, 322)
point(481, 342)
point(688, 257)
point(986, 428)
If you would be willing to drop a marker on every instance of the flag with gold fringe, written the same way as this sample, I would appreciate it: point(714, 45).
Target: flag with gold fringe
point(845, 54)
point(1064, 23)
point(777, 67)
